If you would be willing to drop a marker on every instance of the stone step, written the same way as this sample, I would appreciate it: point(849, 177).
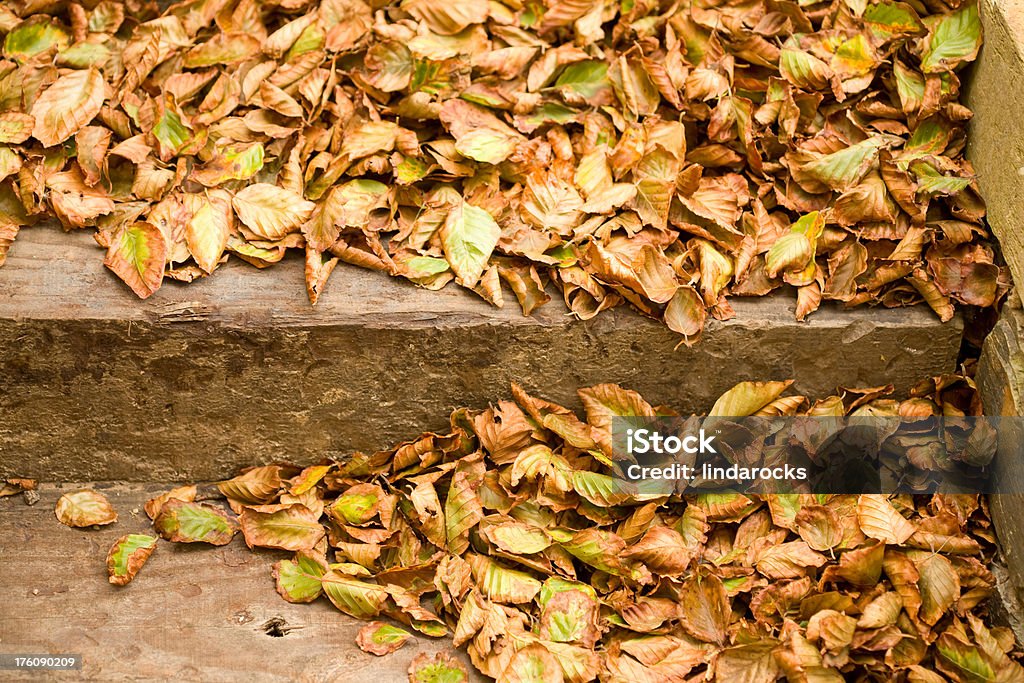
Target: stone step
point(239, 369)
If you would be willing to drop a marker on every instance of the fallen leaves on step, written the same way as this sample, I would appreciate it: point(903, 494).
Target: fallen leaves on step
point(12, 487)
point(665, 156)
point(507, 534)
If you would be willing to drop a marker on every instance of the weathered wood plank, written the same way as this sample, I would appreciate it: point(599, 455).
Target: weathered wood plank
point(994, 90)
point(1001, 383)
point(193, 613)
point(238, 369)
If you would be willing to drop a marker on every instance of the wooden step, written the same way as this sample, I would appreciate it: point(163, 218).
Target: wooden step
point(194, 612)
point(239, 369)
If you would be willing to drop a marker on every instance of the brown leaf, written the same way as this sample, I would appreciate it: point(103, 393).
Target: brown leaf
point(284, 527)
point(67, 105)
point(85, 508)
point(378, 638)
point(704, 608)
point(879, 519)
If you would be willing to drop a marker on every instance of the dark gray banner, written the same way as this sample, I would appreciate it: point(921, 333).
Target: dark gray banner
point(820, 455)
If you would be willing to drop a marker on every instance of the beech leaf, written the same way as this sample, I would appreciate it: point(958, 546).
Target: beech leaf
point(136, 254)
point(67, 105)
point(127, 556)
point(85, 508)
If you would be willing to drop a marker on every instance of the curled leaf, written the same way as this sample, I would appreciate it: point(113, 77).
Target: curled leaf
point(127, 556)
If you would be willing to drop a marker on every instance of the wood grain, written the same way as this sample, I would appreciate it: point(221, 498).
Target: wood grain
point(193, 613)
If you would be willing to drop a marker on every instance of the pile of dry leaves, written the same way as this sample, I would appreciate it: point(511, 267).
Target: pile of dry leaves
point(507, 535)
point(661, 154)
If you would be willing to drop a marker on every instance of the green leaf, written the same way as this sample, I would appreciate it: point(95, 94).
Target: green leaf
point(790, 252)
point(794, 252)
point(517, 538)
point(430, 77)
point(84, 54)
point(952, 39)
point(426, 266)
point(845, 168)
point(410, 169)
point(585, 79)
point(299, 579)
point(854, 57)
point(358, 505)
point(469, 236)
point(600, 489)
point(556, 585)
point(550, 112)
point(803, 69)
point(10, 163)
point(184, 522)
point(127, 556)
point(462, 509)
point(570, 616)
point(932, 182)
point(963, 659)
point(909, 86)
point(486, 146)
point(171, 133)
point(34, 36)
point(599, 548)
point(312, 38)
point(232, 162)
point(930, 137)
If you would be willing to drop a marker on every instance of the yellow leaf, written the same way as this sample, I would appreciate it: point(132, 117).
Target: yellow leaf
point(879, 519)
point(67, 105)
point(271, 212)
point(207, 231)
